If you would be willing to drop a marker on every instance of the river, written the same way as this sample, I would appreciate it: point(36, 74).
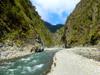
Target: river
point(34, 64)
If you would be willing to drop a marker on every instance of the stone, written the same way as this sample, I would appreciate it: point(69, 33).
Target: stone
point(1, 45)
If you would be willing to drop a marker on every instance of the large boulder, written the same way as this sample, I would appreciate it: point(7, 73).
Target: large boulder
point(39, 46)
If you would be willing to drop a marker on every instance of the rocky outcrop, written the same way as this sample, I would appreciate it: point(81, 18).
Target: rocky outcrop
point(38, 45)
point(83, 25)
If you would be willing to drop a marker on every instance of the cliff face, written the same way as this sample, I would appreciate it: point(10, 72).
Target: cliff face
point(83, 25)
point(20, 22)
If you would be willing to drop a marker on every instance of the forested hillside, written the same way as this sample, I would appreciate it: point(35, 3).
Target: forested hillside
point(19, 22)
point(83, 25)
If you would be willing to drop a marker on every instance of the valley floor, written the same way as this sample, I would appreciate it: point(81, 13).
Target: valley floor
point(72, 62)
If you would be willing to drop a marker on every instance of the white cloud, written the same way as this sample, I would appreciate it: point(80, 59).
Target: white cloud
point(45, 7)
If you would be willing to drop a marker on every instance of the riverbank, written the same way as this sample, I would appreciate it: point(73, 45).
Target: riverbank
point(53, 49)
point(11, 52)
point(74, 61)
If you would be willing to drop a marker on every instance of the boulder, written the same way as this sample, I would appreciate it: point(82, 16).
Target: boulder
point(38, 43)
point(1, 45)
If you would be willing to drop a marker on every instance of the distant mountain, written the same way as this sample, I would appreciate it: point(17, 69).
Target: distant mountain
point(53, 28)
point(56, 32)
point(83, 25)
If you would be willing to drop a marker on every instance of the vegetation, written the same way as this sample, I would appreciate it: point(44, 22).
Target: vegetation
point(56, 32)
point(58, 35)
point(20, 22)
point(53, 28)
point(83, 25)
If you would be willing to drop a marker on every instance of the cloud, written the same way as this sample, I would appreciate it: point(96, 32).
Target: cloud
point(56, 10)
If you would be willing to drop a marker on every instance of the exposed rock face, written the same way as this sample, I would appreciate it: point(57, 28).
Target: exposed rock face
point(20, 23)
point(38, 45)
point(83, 25)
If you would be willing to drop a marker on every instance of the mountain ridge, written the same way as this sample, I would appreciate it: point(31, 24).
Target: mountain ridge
point(53, 28)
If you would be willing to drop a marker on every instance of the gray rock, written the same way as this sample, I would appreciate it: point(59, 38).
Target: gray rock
point(1, 45)
point(38, 43)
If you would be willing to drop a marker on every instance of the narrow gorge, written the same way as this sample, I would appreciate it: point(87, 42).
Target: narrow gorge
point(33, 42)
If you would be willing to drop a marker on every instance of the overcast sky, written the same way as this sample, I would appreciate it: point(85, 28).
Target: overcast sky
point(54, 11)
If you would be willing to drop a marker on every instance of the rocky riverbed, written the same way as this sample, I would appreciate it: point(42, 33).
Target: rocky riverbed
point(76, 61)
point(10, 52)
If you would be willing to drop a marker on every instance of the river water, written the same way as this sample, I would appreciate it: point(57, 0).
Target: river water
point(34, 64)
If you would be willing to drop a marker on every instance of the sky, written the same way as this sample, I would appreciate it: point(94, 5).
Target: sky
point(55, 11)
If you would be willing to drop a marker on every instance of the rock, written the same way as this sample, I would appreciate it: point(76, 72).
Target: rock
point(39, 50)
point(36, 49)
point(1, 45)
point(33, 49)
point(39, 46)
point(9, 43)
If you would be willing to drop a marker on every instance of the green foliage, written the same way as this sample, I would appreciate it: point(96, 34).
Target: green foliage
point(83, 26)
point(19, 21)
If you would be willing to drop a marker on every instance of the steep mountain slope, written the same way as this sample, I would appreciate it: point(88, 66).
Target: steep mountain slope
point(20, 22)
point(83, 25)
